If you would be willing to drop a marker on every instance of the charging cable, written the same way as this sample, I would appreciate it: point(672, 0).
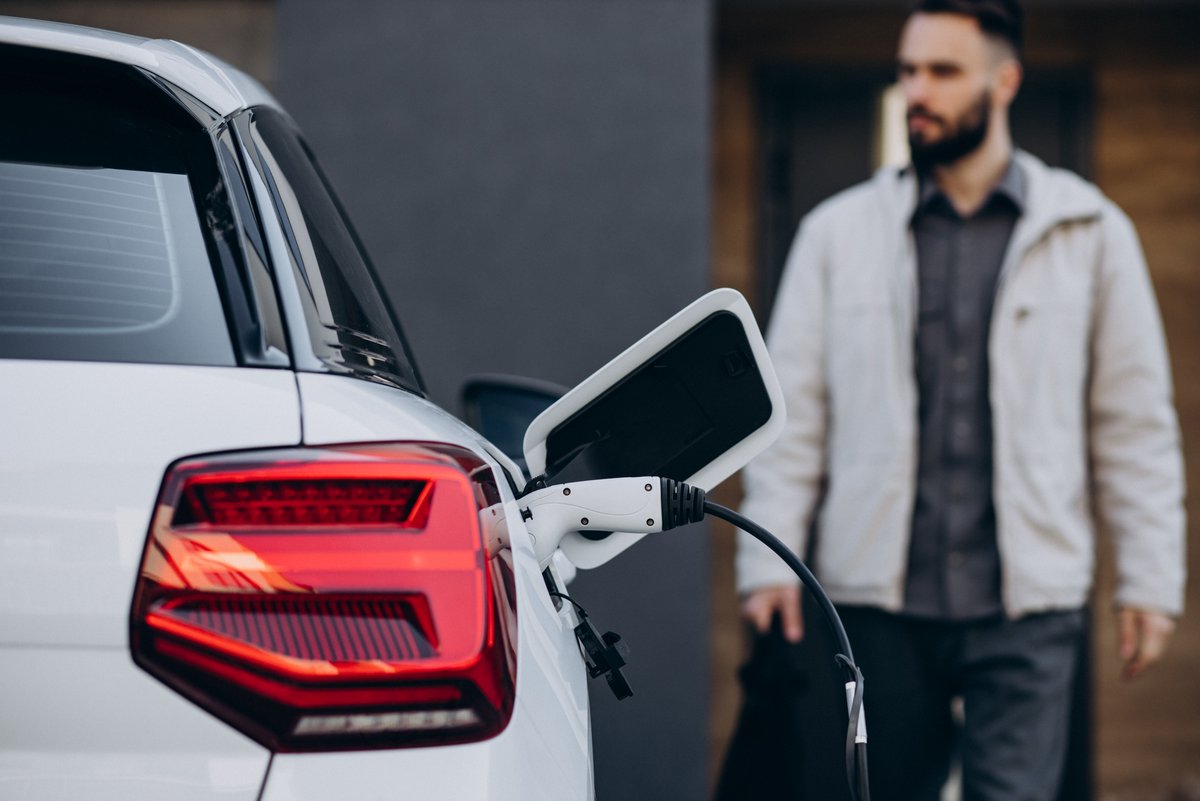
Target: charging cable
point(856, 732)
point(651, 504)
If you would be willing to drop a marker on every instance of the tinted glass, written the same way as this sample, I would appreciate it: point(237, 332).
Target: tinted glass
point(501, 408)
point(102, 252)
point(350, 325)
point(94, 265)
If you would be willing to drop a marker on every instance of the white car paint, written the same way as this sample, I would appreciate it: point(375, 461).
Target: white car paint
point(545, 752)
point(85, 446)
point(86, 723)
point(83, 449)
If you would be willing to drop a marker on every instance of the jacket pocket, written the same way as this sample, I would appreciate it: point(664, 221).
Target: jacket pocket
point(1040, 357)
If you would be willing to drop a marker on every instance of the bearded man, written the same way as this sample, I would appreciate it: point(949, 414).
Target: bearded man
point(977, 382)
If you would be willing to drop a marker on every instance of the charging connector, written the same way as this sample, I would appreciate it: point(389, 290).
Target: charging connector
point(650, 504)
point(682, 503)
point(638, 505)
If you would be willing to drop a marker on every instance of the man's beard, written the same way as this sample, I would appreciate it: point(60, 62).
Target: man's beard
point(960, 139)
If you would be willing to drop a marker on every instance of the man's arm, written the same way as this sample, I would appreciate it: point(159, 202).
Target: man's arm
point(1137, 466)
point(782, 485)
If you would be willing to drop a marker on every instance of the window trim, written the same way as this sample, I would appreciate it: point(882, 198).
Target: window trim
point(284, 250)
point(250, 329)
point(263, 308)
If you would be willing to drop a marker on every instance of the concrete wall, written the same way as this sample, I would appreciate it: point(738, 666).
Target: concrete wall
point(537, 167)
point(531, 177)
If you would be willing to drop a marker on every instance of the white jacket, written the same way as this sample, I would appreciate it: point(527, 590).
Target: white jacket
point(1084, 428)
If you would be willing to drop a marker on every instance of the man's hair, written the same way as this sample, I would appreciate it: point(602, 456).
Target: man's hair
point(999, 19)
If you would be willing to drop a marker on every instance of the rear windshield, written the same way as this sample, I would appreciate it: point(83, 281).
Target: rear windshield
point(103, 256)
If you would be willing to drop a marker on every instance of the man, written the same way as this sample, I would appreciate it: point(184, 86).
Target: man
point(977, 382)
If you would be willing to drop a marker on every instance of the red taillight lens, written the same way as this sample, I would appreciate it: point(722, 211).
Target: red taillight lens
point(299, 502)
point(331, 598)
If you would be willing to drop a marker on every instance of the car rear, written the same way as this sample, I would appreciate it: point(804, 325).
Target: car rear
point(240, 556)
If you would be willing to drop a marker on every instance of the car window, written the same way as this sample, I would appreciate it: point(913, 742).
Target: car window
point(102, 251)
point(349, 322)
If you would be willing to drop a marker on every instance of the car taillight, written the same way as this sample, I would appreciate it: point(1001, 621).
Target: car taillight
point(331, 598)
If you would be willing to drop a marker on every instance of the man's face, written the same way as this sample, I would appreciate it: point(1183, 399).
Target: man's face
point(947, 69)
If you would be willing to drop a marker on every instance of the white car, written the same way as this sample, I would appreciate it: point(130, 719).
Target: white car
point(242, 556)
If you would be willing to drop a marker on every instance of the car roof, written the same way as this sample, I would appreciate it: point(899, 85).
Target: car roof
point(223, 88)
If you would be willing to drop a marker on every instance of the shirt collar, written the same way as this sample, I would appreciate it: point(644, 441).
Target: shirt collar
point(1012, 186)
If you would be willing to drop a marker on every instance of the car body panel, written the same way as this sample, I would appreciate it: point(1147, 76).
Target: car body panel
point(545, 751)
point(86, 723)
point(85, 448)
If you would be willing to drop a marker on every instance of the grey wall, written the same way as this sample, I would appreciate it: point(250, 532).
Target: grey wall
point(531, 179)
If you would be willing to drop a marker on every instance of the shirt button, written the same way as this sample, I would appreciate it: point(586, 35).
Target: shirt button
point(961, 363)
point(956, 559)
point(962, 429)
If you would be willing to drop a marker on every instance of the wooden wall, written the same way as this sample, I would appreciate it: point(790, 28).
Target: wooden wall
point(1146, 137)
point(1148, 161)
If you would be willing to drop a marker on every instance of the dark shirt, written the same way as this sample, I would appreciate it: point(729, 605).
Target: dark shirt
point(953, 565)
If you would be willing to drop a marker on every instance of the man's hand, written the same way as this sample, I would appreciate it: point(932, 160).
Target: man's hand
point(761, 605)
point(1142, 635)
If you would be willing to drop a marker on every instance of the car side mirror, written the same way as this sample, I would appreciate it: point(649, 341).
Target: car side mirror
point(501, 407)
point(693, 400)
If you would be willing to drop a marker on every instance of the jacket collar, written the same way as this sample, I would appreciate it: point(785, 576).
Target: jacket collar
point(1052, 197)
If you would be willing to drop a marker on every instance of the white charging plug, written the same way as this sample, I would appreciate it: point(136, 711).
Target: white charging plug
point(609, 504)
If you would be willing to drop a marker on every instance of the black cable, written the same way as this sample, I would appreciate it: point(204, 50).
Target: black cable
point(851, 735)
point(864, 788)
point(798, 567)
point(565, 597)
point(856, 747)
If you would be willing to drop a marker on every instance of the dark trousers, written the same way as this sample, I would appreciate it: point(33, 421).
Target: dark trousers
point(1014, 678)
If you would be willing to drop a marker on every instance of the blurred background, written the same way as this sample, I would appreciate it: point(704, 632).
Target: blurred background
point(540, 182)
